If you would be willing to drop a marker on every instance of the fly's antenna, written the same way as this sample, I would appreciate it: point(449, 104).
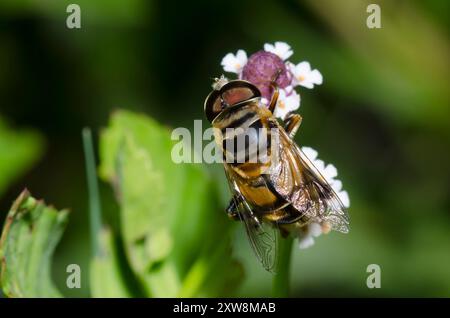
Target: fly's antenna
point(219, 82)
point(276, 75)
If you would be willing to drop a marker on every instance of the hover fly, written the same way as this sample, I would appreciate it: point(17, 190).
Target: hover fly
point(282, 190)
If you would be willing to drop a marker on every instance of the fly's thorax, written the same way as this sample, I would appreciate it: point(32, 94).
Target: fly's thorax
point(233, 115)
point(245, 135)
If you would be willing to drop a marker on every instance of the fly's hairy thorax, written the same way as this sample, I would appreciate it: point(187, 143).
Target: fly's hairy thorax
point(245, 136)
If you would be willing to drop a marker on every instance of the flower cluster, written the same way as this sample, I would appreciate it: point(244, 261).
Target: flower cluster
point(271, 64)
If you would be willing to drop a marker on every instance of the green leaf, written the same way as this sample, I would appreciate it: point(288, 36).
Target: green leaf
point(171, 219)
point(18, 151)
point(30, 234)
point(106, 274)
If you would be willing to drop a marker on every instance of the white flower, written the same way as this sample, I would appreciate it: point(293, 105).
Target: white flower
point(304, 76)
point(234, 63)
point(329, 172)
point(282, 49)
point(342, 194)
point(306, 238)
point(305, 242)
point(307, 234)
point(310, 153)
point(288, 100)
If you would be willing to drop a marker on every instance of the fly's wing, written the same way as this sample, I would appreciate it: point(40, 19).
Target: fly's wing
point(315, 193)
point(262, 236)
point(331, 208)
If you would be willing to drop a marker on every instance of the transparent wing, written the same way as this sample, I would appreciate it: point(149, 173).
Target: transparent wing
point(262, 236)
point(324, 202)
point(330, 208)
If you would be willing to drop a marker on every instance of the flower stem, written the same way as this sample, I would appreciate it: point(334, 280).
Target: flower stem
point(280, 283)
point(94, 196)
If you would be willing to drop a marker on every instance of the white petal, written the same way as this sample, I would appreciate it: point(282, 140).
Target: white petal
point(315, 229)
point(299, 71)
point(289, 89)
point(306, 83)
point(291, 67)
point(282, 49)
point(310, 153)
point(330, 172)
point(343, 196)
point(303, 67)
point(336, 185)
point(280, 112)
point(316, 77)
point(227, 62)
point(293, 101)
point(241, 56)
point(234, 63)
point(286, 103)
point(305, 242)
point(304, 76)
point(280, 108)
point(320, 165)
point(269, 47)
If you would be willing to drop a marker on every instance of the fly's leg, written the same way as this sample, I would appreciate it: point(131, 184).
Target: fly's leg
point(274, 99)
point(291, 123)
point(232, 209)
point(276, 92)
point(284, 232)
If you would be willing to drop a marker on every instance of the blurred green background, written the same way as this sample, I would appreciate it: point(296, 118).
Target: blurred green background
point(381, 116)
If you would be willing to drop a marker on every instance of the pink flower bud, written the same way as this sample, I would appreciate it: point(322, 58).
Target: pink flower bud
point(262, 68)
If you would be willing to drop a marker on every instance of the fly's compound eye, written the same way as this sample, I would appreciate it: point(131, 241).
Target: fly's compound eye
point(230, 94)
point(213, 105)
point(236, 95)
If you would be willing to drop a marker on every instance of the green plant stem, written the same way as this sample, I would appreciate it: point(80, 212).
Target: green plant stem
point(94, 197)
point(281, 278)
